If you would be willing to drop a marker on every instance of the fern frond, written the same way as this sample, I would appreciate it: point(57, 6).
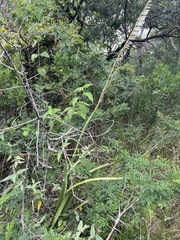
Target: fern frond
point(136, 32)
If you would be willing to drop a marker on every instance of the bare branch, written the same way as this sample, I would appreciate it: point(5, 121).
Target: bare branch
point(18, 126)
point(37, 142)
point(120, 214)
point(10, 88)
point(118, 219)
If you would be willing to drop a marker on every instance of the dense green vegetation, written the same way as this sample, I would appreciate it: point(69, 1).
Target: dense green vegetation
point(89, 119)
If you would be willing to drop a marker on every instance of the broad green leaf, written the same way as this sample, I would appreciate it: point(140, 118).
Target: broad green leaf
point(89, 95)
point(26, 129)
point(83, 109)
point(10, 177)
point(98, 238)
point(79, 89)
point(74, 101)
point(44, 54)
point(92, 232)
point(87, 85)
point(82, 114)
point(42, 72)
point(21, 171)
point(80, 226)
point(34, 56)
point(25, 133)
point(70, 113)
point(39, 13)
point(14, 176)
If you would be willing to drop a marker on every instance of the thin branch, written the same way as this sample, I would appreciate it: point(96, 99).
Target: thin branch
point(120, 214)
point(50, 148)
point(154, 147)
point(73, 192)
point(5, 65)
point(37, 142)
point(159, 36)
point(118, 219)
point(10, 88)
point(109, 128)
point(165, 35)
point(68, 125)
point(8, 42)
point(17, 126)
point(19, 32)
point(25, 84)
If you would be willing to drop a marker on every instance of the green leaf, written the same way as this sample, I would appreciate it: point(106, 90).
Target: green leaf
point(77, 216)
point(87, 85)
point(80, 226)
point(9, 230)
point(25, 133)
point(70, 113)
point(42, 72)
point(99, 167)
point(98, 238)
point(14, 176)
point(83, 110)
point(4, 199)
point(34, 56)
point(21, 171)
point(63, 202)
point(92, 232)
point(79, 89)
point(82, 114)
point(10, 177)
point(59, 155)
point(93, 180)
point(89, 95)
point(44, 54)
point(39, 14)
point(74, 101)
point(50, 110)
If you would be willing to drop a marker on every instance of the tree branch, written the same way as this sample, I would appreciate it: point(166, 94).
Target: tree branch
point(120, 214)
point(160, 36)
point(18, 126)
